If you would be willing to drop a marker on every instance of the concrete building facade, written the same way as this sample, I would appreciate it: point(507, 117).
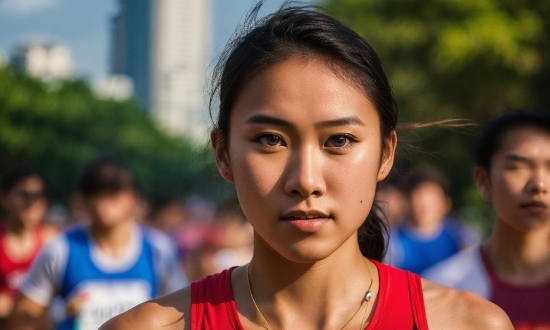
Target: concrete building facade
point(164, 46)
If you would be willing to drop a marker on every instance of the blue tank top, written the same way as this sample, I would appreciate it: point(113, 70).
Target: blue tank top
point(420, 253)
point(99, 295)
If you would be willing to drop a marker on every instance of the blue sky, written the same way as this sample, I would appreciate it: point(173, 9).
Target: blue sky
point(83, 26)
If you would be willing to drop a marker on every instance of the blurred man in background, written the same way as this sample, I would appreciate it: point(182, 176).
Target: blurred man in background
point(22, 195)
point(512, 268)
point(102, 268)
point(428, 235)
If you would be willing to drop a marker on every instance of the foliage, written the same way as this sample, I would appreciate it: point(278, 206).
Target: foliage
point(58, 128)
point(469, 59)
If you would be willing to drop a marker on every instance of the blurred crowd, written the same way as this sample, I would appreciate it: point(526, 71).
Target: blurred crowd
point(196, 237)
point(207, 238)
point(112, 242)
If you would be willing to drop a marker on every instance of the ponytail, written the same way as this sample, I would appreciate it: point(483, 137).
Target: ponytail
point(372, 235)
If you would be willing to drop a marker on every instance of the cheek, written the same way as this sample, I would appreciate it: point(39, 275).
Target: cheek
point(352, 180)
point(39, 207)
point(509, 184)
point(256, 174)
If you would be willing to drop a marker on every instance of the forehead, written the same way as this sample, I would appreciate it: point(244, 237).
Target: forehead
point(527, 141)
point(299, 88)
point(428, 187)
point(29, 183)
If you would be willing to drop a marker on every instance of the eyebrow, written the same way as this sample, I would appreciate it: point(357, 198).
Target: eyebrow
point(517, 158)
point(265, 119)
point(521, 159)
point(351, 120)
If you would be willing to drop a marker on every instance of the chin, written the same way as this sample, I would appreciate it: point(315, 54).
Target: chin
point(301, 254)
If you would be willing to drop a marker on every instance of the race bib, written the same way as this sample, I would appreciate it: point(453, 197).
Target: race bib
point(98, 301)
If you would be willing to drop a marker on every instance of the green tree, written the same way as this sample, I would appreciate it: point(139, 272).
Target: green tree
point(58, 128)
point(469, 59)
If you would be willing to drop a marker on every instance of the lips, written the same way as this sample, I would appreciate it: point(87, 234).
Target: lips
point(308, 221)
point(304, 215)
point(535, 207)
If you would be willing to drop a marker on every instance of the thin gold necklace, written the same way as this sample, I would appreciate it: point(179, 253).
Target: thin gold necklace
point(366, 298)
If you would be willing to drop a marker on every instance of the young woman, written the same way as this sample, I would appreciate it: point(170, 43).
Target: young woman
point(22, 235)
point(305, 131)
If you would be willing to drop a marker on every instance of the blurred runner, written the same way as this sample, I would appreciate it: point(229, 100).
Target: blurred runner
point(102, 269)
point(429, 235)
point(21, 233)
point(512, 268)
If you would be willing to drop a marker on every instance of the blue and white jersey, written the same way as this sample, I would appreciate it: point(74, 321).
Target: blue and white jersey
point(96, 288)
point(412, 250)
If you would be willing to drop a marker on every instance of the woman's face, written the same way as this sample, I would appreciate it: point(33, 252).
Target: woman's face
point(25, 201)
point(305, 155)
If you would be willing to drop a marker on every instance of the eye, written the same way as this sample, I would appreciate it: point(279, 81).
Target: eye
point(340, 141)
point(270, 140)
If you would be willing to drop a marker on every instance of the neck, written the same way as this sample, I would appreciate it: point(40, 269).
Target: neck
point(521, 257)
point(295, 294)
point(115, 240)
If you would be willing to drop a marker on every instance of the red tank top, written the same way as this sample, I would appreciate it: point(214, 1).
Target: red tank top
point(400, 302)
point(527, 306)
point(12, 272)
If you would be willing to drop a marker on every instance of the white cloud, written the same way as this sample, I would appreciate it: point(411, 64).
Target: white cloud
point(24, 7)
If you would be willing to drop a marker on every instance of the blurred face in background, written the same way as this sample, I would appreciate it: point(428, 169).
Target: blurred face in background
point(169, 218)
point(25, 202)
point(519, 178)
point(393, 205)
point(111, 209)
point(428, 205)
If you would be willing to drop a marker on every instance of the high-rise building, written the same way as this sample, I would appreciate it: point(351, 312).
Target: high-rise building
point(164, 47)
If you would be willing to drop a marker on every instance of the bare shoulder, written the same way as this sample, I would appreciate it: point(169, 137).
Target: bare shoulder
point(448, 308)
point(167, 312)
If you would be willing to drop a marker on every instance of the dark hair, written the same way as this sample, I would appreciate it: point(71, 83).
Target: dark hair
point(13, 176)
point(302, 32)
point(492, 132)
point(106, 175)
point(423, 174)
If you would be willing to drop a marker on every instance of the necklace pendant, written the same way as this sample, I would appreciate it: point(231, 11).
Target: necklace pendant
point(368, 296)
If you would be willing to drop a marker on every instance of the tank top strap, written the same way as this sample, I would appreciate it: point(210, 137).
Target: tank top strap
point(417, 301)
point(400, 304)
point(213, 304)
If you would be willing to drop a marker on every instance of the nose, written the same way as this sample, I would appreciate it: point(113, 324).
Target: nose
point(304, 174)
point(539, 182)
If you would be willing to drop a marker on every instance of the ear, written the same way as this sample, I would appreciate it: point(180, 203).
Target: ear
point(221, 155)
point(483, 184)
point(388, 155)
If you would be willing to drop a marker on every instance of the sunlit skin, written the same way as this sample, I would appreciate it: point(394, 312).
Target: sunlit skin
point(517, 184)
point(306, 141)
